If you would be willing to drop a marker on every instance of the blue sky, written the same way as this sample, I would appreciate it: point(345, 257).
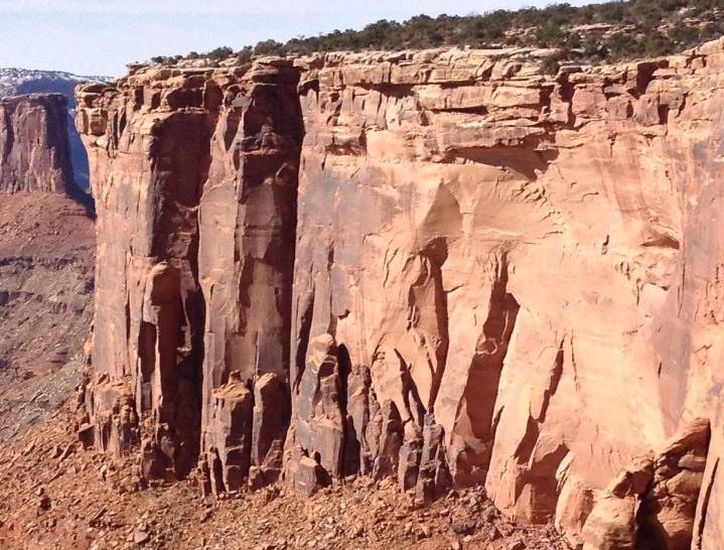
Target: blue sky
point(101, 36)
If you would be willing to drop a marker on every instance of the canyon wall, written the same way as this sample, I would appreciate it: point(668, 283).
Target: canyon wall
point(443, 266)
point(195, 179)
point(46, 262)
point(34, 144)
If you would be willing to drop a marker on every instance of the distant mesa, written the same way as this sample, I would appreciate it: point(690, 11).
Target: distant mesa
point(34, 141)
point(15, 81)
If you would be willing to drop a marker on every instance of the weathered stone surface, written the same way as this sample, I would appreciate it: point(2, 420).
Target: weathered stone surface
point(410, 457)
point(522, 263)
point(195, 176)
point(270, 423)
point(651, 504)
point(532, 261)
point(18, 81)
point(611, 525)
point(668, 508)
point(115, 419)
point(306, 475)
point(387, 433)
point(434, 477)
point(229, 434)
point(320, 416)
point(34, 144)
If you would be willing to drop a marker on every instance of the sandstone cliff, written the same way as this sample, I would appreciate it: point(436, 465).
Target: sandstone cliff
point(16, 82)
point(34, 144)
point(442, 266)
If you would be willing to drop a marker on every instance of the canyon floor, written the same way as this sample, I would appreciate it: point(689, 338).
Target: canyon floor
point(54, 494)
point(47, 257)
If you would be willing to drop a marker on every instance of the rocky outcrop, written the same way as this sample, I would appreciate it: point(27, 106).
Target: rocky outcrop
point(195, 183)
point(467, 272)
point(518, 266)
point(15, 82)
point(651, 504)
point(34, 149)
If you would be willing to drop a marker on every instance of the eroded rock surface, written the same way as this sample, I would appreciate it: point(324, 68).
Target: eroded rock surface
point(195, 178)
point(651, 504)
point(473, 273)
point(511, 253)
point(34, 144)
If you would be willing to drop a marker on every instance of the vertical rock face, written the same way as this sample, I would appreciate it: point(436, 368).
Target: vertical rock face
point(195, 177)
point(34, 149)
point(16, 81)
point(467, 273)
point(247, 219)
point(509, 256)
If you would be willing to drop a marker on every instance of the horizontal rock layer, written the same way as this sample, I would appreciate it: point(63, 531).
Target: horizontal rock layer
point(34, 147)
point(442, 266)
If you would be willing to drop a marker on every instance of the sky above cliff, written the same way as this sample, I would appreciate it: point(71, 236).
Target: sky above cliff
point(98, 37)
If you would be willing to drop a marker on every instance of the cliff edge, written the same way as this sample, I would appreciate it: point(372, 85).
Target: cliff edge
point(442, 266)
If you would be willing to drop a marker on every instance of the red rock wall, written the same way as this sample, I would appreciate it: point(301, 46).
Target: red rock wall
point(510, 254)
point(195, 180)
point(34, 149)
point(499, 277)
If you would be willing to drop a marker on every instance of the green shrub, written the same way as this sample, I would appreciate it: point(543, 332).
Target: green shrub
point(622, 45)
point(656, 44)
point(683, 35)
point(269, 47)
point(218, 54)
point(552, 63)
point(553, 27)
point(710, 31)
point(549, 36)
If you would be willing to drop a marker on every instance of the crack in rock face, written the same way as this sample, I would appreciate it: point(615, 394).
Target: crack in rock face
point(439, 267)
